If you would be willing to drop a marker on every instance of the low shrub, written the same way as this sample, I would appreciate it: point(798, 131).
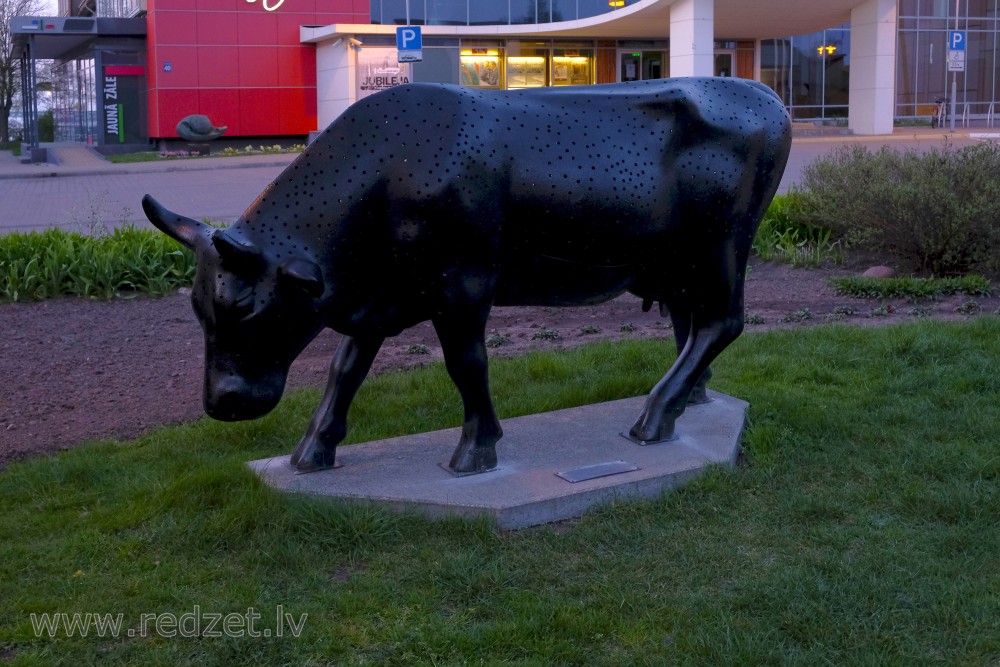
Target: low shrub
point(909, 287)
point(783, 237)
point(41, 265)
point(933, 211)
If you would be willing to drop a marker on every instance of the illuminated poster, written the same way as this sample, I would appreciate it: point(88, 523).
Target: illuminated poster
point(378, 70)
point(571, 70)
point(480, 68)
point(525, 71)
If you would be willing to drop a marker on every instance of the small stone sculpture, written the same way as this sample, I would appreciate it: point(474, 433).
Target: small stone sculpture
point(199, 129)
point(434, 202)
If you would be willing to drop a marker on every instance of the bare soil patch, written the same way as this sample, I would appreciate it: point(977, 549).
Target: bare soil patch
point(74, 370)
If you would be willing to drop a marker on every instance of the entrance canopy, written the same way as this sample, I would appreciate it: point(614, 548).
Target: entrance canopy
point(61, 38)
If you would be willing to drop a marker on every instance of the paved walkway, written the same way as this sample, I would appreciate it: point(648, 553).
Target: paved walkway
point(86, 193)
point(78, 160)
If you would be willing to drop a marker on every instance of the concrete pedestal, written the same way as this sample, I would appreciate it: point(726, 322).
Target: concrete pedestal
point(537, 454)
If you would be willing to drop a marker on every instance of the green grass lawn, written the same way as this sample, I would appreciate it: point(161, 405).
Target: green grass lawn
point(864, 529)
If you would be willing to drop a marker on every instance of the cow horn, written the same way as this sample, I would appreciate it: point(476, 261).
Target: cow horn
point(235, 253)
point(302, 274)
point(185, 231)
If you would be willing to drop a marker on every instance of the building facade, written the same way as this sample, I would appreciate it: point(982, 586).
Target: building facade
point(283, 68)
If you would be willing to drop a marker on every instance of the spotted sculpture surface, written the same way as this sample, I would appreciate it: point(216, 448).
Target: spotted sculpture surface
point(199, 128)
point(434, 202)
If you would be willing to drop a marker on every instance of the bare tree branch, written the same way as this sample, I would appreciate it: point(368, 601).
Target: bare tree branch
point(10, 80)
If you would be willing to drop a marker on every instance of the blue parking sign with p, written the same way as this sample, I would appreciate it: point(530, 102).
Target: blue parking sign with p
point(956, 40)
point(408, 38)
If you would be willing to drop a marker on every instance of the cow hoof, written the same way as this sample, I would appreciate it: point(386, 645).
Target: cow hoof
point(647, 431)
point(308, 457)
point(471, 460)
point(698, 396)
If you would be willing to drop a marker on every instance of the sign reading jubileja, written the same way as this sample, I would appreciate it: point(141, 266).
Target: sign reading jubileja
point(379, 70)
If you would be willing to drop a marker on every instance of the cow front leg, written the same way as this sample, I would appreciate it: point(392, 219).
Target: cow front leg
point(463, 343)
point(318, 447)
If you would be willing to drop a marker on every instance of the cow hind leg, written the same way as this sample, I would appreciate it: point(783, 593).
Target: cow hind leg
point(680, 319)
point(318, 447)
point(711, 312)
point(463, 342)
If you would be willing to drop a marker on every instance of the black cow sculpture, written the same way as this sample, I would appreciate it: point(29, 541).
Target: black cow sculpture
point(434, 202)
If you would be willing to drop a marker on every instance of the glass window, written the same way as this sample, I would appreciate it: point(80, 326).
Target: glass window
point(979, 72)
point(438, 41)
point(655, 65)
point(640, 44)
point(438, 66)
point(776, 67)
point(588, 8)
point(980, 8)
point(808, 62)
point(74, 104)
point(376, 11)
point(932, 66)
point(906, 72)
point(936, 24)
point(488, 13)
point(836, 67)
point(447, 12)
point(936, 7)
point(907, 7)
point(378, 40)
point(523, 11)
point(563, 10)
point(394, 12)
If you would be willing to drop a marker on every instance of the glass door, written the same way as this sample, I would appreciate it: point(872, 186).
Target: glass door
point(725, 62)
point(642, 65)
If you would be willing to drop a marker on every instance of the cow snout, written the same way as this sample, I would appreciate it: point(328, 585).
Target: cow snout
point(232, 398)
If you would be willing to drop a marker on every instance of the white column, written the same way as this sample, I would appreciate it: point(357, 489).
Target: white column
point(873, 67)
point(692, 38)
point(336, 80)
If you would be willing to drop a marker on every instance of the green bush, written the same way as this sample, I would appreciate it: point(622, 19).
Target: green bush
point(783, 237)
point(41, 265)
point(46, 127)
point(934, 212)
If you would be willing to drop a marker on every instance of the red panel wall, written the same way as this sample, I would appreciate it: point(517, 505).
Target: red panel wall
point(237, 63)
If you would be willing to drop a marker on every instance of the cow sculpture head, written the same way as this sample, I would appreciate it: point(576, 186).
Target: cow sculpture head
point(258, 313)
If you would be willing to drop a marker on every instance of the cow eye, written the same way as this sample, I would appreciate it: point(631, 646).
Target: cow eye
point(242, 308)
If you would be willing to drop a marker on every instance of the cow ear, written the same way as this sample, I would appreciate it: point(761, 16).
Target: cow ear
point(189, 233)
point(303, 275)
point(235, 254)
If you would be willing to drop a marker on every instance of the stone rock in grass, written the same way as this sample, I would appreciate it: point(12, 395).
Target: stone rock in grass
point(879, 272)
